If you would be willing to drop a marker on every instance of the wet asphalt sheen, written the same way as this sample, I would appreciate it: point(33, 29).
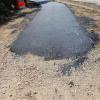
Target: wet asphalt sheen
point(54, 32)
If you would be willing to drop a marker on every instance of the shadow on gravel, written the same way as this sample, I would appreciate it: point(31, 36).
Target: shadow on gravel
point(10, 16)
point(95, 37)
point(89, 25)
point(4, 19)
point(86, 22)
point(67, 68)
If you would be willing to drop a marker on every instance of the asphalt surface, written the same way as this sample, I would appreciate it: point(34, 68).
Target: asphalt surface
point(54, 33)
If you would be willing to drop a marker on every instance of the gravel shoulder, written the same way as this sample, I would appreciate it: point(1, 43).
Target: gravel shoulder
point(31, 77)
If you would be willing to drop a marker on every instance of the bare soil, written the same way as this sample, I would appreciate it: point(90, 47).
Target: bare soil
point(31, 77)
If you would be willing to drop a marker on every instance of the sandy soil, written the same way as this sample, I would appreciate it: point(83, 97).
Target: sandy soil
point(30, 77)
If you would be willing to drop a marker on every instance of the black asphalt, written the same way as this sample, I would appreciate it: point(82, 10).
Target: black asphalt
point(54, 33)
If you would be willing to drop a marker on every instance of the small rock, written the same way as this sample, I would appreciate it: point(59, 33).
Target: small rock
point(71, 84)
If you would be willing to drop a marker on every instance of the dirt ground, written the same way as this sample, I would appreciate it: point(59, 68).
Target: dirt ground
point(31, 77)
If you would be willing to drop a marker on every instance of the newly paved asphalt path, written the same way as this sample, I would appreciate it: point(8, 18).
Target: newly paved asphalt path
point(54, 32)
